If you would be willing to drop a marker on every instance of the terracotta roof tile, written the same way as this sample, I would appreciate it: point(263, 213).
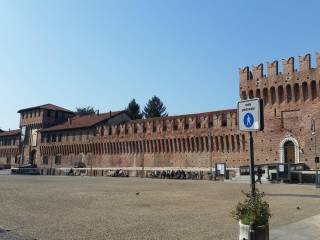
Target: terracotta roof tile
point(10, 133)
point(84, 121)
point(48, 106)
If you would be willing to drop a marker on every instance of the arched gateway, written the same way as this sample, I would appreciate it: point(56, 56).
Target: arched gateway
point(289, 150)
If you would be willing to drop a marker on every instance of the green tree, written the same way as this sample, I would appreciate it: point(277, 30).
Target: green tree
point(84, 110)
point(155, 108)
point(133, 110)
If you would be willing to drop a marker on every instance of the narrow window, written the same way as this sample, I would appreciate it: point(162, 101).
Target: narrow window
point(313, 90)
point(265, 96)
point(227, 143)
point(244, 95)
point(223, 120)
point(211, 143)
point(280, 94)
point(232, 143)
point(57, 160)
point(238, 143)
point(45, 160)
point(207, 143)
point(289, 93)
point(197, 145)
point(222, 143)
point(217, 143)
point(192, 145)
point(250, 94)
point(183, 145)
point(273, 95)
point(201, 144)
point(296, 92)
point(258, 93)
point(305, 91)
point(243, 143)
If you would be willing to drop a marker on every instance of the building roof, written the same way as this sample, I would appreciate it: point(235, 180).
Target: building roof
point(10, 133)
point(48, 106)
point(84, 121)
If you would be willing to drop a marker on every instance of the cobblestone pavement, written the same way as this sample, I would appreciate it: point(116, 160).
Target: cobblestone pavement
point(44, 207)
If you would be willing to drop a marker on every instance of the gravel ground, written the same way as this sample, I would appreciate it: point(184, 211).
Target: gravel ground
point(44, 207)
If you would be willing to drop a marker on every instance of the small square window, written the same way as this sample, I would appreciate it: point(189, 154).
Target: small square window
point(57, 159)
point(45, 160)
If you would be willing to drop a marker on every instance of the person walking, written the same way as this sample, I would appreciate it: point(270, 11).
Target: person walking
point(259, 174)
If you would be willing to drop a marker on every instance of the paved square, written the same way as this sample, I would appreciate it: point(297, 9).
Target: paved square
point(44, 207)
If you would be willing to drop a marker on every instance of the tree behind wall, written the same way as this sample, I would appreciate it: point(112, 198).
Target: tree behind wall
point(81, 111)
point(133, 110)
point(155, 108)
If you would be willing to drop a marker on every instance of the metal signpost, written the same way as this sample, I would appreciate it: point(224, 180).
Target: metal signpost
point(250, 119)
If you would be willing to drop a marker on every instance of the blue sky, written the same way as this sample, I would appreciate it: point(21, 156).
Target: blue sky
point(104, 53)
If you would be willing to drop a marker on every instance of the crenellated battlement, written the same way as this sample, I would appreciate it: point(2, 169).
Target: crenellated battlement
point(288, 67)
point(276, 86)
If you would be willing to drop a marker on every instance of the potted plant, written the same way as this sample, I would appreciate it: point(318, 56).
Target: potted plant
point(253, 212)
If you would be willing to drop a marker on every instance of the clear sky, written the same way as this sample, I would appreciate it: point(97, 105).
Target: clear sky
point(103, 53)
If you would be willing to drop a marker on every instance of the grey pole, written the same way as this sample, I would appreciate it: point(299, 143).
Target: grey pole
point(253, 183)
point(251, 157)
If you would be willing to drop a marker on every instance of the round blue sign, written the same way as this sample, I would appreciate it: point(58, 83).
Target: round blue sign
point(248, 120)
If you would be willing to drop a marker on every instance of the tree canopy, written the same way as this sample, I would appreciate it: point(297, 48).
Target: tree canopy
point(84, 110)
point(155, 108)
point(133, 110)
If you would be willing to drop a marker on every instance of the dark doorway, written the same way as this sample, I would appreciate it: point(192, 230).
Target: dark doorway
point(289, 149)
point(33, 154)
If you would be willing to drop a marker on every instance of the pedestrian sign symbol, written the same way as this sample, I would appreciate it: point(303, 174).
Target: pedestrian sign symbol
point(248, 120)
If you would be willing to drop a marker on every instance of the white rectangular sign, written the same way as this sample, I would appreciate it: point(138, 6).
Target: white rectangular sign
point(281, 168)
point(23, 133)
point(34, 134)
point(250, 115)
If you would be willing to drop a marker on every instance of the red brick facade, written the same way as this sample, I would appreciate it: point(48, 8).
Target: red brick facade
point(190, 142)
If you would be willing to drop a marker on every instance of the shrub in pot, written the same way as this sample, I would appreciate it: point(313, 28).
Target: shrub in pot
point(253, 209)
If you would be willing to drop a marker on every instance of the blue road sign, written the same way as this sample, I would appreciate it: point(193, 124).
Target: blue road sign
point(250, 115)
point(248, 120)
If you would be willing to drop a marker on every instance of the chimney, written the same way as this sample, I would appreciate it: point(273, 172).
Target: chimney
point(69, 120)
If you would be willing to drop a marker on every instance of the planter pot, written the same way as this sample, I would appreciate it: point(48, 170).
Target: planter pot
point(261, 233)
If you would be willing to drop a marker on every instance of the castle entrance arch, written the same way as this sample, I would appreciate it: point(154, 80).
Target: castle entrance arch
point(289, 150)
